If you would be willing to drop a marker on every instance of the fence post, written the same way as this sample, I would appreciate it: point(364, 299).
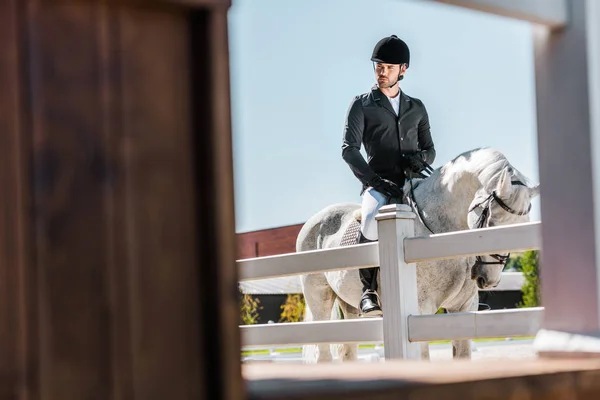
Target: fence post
point(398, 281)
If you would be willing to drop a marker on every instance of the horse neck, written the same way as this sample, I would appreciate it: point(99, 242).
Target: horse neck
point(448, 193)
point(448, 199)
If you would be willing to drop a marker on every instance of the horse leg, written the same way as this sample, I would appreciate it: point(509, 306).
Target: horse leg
point(462, 348)
point(319, 299)
point(425, 351)
point(348, 351)
point(426, 308)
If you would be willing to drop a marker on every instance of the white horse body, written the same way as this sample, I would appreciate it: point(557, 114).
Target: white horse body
point(444, 200)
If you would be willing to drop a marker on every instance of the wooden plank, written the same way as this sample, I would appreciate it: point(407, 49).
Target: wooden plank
point(102, 166)
point(219, 301)
point(19, 357)
point(551, 13)
point(368, 330)
point(102, 271)
point(346, 257)
point(189, 4)
point(475, 324)
point(415, 380)
point(155, 213)
point(498, 239)
point(222, 4)
point(70, 173)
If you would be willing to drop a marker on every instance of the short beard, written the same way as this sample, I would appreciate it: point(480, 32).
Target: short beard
point(388, 86)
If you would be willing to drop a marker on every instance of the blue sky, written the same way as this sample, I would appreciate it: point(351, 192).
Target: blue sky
point(296, 64)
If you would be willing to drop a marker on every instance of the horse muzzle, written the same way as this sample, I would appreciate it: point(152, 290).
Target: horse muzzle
point(483, 282)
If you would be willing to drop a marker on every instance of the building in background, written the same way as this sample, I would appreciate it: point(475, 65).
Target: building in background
point(271, 293)
point(268, 242)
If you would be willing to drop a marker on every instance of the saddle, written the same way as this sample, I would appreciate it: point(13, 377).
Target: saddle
point(350, 237)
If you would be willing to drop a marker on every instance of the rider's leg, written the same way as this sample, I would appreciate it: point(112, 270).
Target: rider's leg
point(371, 202)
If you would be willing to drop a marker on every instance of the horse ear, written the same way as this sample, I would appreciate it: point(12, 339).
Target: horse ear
point(504, 185)
point(534, 191)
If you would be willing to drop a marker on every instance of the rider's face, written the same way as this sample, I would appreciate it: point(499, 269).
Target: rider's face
point(387, 74)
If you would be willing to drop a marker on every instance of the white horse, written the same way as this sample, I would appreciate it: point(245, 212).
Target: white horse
point(478, 188)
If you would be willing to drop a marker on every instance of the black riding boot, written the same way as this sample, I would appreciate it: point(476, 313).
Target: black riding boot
point(369, 303)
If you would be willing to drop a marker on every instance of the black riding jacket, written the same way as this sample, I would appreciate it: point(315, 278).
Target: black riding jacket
point(372, 122)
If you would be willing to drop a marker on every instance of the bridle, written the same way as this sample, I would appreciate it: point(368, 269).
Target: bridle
point(481, 223)
point(485, 205)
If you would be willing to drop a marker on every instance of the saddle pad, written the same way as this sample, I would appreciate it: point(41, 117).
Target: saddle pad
point(351, 235)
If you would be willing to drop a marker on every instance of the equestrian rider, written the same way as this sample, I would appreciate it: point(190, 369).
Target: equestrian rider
point(394, 128)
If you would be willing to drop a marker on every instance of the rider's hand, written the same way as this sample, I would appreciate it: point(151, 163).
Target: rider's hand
point(414, 162)
point(386, 187)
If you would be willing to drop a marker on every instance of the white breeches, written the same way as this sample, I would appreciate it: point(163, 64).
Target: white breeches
point(372, 200)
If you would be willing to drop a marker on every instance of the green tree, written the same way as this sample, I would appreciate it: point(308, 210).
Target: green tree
point(514, 262)
point(531, 288)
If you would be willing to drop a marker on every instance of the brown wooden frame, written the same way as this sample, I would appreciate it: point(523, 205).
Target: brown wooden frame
point(117, 243)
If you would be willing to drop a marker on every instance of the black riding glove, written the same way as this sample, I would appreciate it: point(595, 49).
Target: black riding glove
point(414, 162)
point(386, 187)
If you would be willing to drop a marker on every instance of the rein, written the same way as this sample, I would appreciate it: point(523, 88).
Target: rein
point(412, 200)
point(481, 223)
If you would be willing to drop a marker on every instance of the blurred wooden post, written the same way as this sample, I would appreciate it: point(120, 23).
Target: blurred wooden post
point(117, 239)
point(568, 122)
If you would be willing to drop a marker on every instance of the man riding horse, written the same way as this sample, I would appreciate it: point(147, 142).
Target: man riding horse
point(394, 128)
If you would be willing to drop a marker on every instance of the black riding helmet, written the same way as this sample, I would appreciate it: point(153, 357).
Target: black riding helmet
point(391, 50)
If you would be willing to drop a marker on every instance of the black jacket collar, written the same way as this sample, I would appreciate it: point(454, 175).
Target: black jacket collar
point(383, 101)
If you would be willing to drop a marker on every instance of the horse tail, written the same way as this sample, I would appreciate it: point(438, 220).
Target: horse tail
point(319, 297)
point(308, 236)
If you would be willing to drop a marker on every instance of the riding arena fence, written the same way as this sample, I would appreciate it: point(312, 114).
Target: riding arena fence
point(401, 329)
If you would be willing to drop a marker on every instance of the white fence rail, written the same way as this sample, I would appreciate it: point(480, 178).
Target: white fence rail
point(368, 330)
point(421, 328)
point(511, 281)
point(475, 325)
point(498, 239)
point(349, 257)
point(401, 328)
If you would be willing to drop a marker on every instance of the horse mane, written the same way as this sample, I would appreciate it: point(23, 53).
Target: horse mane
point(489, 164)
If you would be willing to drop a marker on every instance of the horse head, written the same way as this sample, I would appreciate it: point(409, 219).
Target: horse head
point(505, 200)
